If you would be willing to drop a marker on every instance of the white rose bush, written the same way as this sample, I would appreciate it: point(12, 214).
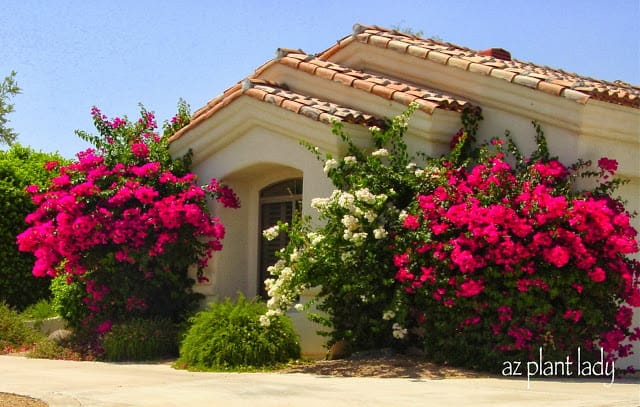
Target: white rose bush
point(348, 257)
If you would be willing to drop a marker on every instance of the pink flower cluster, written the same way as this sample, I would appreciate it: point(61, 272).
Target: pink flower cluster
point(120, 209)
point(489, 232)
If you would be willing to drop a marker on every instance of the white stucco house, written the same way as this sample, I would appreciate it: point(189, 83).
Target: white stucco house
point(249, 137)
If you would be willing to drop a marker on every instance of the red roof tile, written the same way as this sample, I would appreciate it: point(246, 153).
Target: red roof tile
point(401, 92)
point(522, 73)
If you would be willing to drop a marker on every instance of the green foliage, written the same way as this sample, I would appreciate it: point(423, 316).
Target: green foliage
point(8, 89)
point(229, 335)
point(48, 349)
point(14, 333)
point(141, 339)
point(67, 299)
point(40, 310)
point(19, 167)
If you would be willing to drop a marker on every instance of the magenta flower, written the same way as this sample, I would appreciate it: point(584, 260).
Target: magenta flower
point(146, 194)
point(470, 288)
point(411, 222)
point(608, 165)
point(104, 327)
point(598, 275)
point(558, 256)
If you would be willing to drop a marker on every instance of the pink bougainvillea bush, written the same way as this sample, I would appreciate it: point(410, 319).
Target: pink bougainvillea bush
point(504, 256)
point(122, 224)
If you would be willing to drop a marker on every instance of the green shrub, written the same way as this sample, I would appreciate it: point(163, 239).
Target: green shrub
point(67, 299)
point(230, 335)
point(19, 167)
point(13, 331)
point(39, 311)
point(141, 339)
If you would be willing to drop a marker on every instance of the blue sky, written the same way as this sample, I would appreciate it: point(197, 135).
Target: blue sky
point(72, 55)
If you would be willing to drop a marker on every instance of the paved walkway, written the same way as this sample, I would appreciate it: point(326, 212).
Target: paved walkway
point(69, 384)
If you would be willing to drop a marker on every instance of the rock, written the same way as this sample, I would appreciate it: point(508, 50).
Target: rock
point(60, 335)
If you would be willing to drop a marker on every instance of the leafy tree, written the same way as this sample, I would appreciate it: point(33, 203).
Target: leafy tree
point(19, 167)
point(8, 89)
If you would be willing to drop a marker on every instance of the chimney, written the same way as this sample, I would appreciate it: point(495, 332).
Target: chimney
point(498, 53)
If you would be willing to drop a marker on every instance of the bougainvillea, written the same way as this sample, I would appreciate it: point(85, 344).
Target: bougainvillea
point(508, 258)
point(477, 256)
point(126, 221)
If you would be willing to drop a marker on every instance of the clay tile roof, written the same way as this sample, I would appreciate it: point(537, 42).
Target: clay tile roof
point(212, 107)
point(314, 108)
point(279, 95)
point(402, 92)
point(549, 80)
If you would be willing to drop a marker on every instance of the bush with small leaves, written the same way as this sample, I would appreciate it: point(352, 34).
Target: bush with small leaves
point(14, 333)
point(229, 335)
point(141, 339)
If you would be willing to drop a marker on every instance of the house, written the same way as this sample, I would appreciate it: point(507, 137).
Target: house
point(249, 137)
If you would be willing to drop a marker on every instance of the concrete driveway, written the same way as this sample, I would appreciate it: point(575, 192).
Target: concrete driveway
point(67, 383)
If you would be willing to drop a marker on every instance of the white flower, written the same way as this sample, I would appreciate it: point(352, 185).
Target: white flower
point(374, 129)
point(379, 233)
point(350, 222)
point(403, 215)
point(294, 256)
point(388, 315)
point(346, 201)
point(398, 331)
point(335, 194)
point(418, 173)
point(274, 312)
point(329, 165)
point(380, 153)
point(286, 272)
point(346, 256)
point(269, 283)
point(349, 159)
point(265, 320)
point(411, 166)
point(315, 238)
point(299, 307)
point(271, 233)
point(359, 237)
point(370, 216)
point(347, 235)
point(364, 195)
point(276, 268)
point(320, 204)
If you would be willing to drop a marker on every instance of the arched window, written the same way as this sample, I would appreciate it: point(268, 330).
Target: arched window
point(278, 202)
